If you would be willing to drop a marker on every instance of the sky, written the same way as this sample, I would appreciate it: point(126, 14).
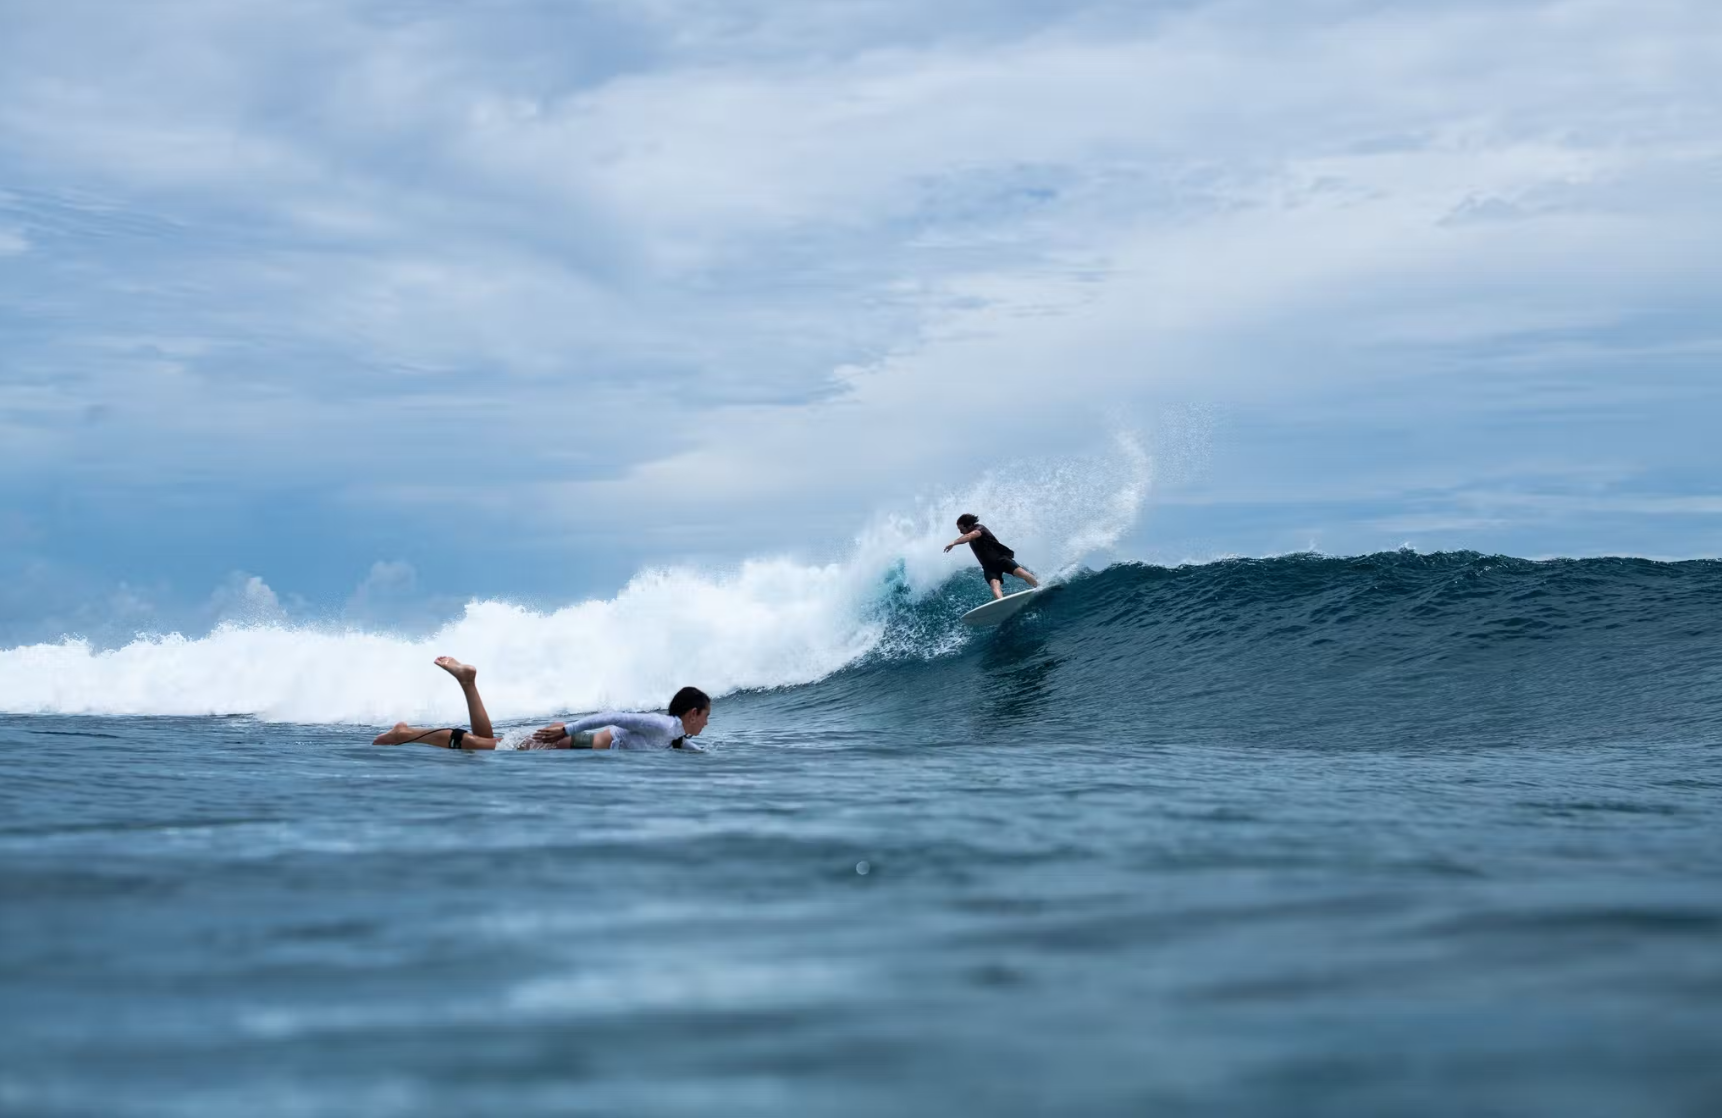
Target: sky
point(355, 310)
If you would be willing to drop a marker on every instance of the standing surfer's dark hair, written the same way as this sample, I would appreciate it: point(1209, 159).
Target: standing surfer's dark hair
point(966, 521)
point(689, 698)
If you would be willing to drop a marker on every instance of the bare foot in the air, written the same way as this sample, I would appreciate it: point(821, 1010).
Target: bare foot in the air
point(399, 735)
point(466, 673)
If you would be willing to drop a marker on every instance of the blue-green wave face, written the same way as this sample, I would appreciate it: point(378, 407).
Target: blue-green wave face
point(1449, 649)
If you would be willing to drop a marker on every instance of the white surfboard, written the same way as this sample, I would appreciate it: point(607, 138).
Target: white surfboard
point(998, 609)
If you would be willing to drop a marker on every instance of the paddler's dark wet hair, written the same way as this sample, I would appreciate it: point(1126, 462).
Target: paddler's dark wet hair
point(689, 698)
point(966, 521)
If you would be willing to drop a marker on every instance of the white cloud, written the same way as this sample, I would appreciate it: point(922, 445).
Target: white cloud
point(392, 597)
point(247, 600)
point(387, 583)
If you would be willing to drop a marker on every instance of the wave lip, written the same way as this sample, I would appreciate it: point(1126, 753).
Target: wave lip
point(771, 623)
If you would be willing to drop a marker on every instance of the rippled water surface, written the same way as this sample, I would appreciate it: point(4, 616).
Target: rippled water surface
point(1428, 837)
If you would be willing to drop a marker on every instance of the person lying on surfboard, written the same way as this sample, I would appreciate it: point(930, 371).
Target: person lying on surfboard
point(997, 560)
point(690, 710)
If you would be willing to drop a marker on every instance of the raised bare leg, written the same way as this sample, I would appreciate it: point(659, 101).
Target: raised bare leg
point(482, 735)
point(467, 676)
point(1022, 573)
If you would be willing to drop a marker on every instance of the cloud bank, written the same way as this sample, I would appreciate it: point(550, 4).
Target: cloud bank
point(741, 265)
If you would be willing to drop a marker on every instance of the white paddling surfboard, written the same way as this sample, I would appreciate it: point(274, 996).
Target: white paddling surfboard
point(998, 609)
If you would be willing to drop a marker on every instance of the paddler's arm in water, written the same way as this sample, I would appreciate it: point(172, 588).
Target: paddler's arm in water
point(964, 538)
point(558, 735)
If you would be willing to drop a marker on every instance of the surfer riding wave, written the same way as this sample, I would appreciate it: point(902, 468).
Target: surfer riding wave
point(996, 559)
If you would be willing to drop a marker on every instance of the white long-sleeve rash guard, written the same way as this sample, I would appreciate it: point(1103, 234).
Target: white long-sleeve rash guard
point(633, 731)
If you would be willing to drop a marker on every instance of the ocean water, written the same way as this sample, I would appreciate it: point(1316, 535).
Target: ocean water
point(1400, 834)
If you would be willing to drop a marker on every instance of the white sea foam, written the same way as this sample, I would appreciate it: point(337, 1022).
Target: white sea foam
point(770, 622)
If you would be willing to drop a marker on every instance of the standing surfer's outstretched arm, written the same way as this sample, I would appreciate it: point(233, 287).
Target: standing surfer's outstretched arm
point(964, 538)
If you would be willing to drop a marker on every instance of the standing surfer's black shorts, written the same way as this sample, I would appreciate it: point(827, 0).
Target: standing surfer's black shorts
point(995, 558)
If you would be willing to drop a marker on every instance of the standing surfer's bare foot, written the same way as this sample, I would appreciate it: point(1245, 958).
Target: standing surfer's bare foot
point(400, 734)
point(466, 673)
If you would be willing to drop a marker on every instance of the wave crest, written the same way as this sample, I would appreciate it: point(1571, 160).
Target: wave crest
point(769, 622)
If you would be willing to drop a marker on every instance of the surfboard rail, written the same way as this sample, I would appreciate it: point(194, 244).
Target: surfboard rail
point(997, 610)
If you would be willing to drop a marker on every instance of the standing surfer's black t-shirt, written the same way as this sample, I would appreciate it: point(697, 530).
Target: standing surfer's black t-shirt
point(996, 559)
